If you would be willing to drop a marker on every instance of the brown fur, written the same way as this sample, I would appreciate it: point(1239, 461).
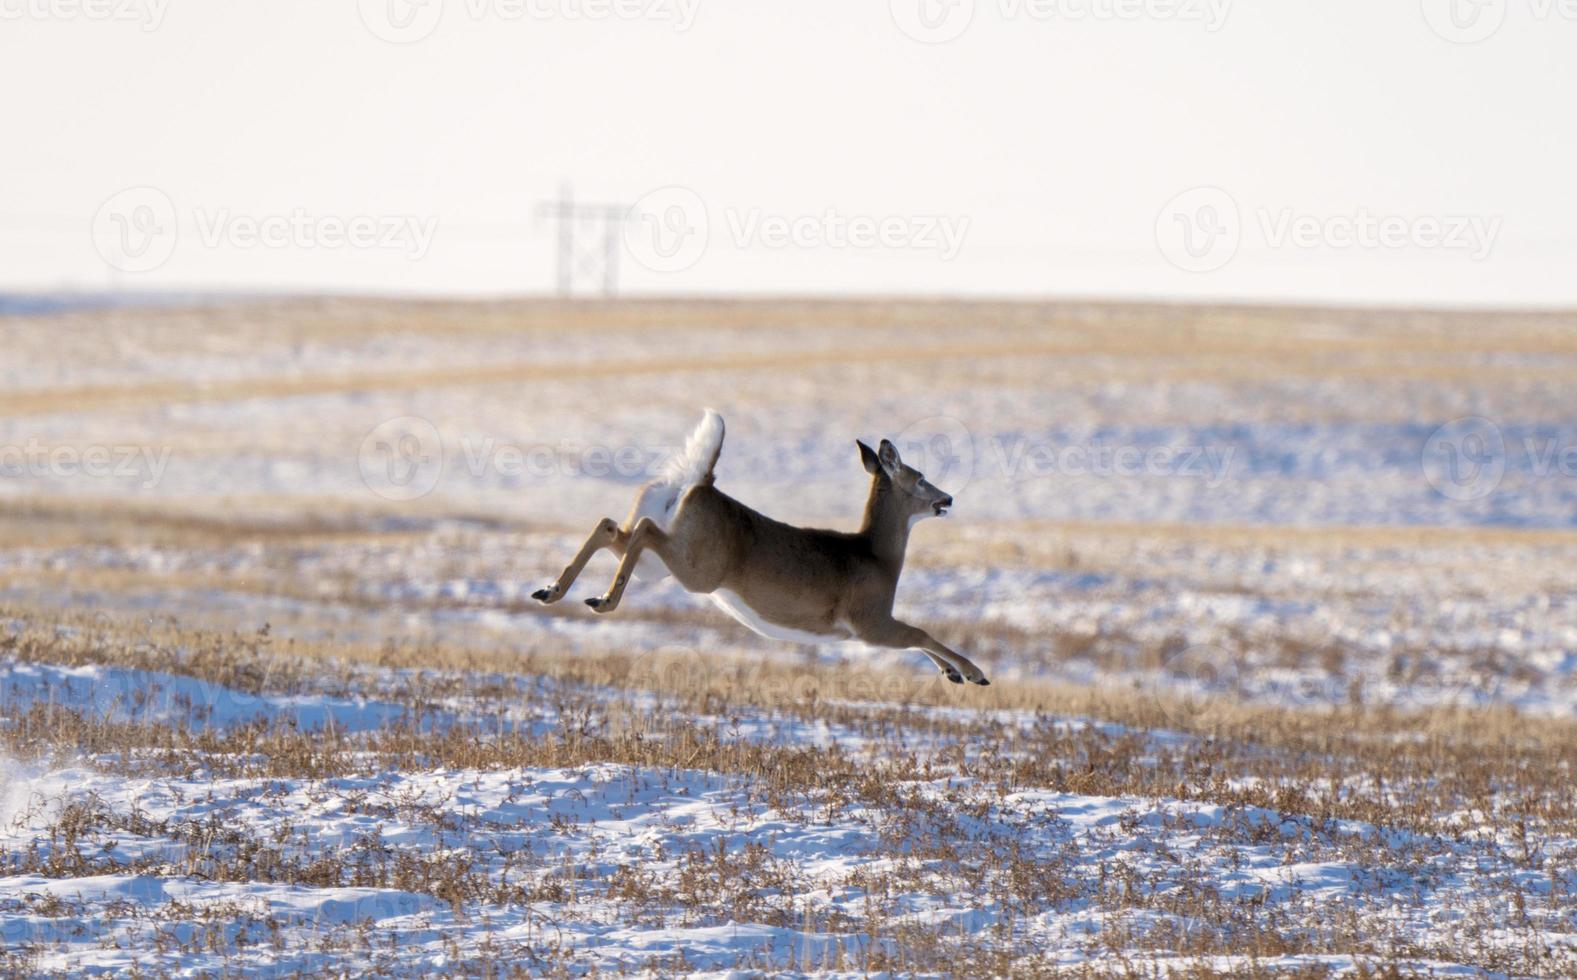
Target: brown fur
point(829, 583)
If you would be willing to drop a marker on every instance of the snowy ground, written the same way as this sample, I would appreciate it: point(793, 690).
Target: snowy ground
point(1350, 533)
point(220, 862)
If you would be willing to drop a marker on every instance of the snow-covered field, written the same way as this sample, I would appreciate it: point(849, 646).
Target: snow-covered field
point(1279, 607)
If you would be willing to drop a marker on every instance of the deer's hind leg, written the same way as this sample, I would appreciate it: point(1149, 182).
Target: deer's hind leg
point(605, 535)
point(645, 534)
point(696, 569)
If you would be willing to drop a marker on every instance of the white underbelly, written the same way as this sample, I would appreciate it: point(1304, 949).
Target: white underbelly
point(735, 607)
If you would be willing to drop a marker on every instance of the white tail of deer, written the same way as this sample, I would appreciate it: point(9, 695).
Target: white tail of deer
point(784, 582)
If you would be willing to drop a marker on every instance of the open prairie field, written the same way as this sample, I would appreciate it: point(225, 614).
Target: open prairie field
point(1279, 606)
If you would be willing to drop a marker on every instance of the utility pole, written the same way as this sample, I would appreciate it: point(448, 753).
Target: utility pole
point(581, 256)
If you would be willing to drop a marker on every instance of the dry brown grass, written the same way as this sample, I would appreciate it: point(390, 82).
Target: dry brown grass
point(1201, 342)
point(933, 762)
point(1429, 772)
point(1431, 780)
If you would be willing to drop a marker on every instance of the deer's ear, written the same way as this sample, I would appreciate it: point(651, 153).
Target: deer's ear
point(868, 458)
point(888, 457)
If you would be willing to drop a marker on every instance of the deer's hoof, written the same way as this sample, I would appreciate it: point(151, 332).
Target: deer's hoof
point(544, 595)
point(983, 681)
point(599, 605)
point(953, 676)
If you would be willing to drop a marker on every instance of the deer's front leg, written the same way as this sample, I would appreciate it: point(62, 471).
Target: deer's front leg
point(645, 534)
point(897, 634)
point(972, 674)
point(605, 535)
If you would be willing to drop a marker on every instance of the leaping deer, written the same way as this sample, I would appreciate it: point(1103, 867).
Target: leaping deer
point(785, 583)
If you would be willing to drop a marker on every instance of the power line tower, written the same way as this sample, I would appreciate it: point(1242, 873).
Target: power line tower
point(589, 239)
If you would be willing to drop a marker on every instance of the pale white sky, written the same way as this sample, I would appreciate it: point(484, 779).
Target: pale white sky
point(1347, 150)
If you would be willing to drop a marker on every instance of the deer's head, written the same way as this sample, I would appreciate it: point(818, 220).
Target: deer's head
point(910, 491)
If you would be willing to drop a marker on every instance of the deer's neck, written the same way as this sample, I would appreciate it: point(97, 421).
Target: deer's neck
point(886, 526)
